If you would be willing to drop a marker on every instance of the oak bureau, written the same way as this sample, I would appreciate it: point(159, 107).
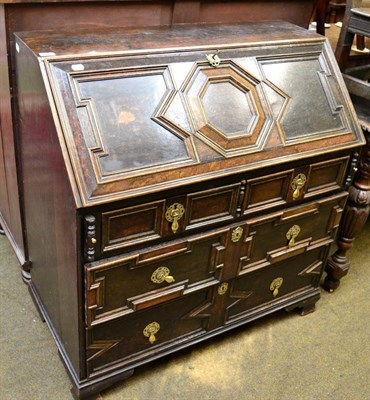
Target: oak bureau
point(179, 182)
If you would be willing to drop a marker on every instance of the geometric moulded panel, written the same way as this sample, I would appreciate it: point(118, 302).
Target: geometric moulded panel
point(314, 113)
point(227, 108)
point(124, 118)
point(237, 102)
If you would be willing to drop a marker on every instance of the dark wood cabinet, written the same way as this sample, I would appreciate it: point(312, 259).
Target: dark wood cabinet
point(30, 15)
point(178, 182)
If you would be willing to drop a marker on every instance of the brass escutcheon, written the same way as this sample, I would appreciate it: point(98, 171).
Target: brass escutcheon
point(162, 274)
point(222, 289)
point(151, 330)
point(237, 234)
point(275, 285)
point(213, 59)
point(292, 234)
point(173, 214)
point(297, 184)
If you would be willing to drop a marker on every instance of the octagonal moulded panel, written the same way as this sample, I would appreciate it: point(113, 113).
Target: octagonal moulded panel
point(242, 114)
point(228, 109)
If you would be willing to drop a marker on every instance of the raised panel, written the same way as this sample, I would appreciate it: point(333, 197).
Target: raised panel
point(228, 107)
point(123, 112)
point(266, 191)
point(311, 75)
point(298, 273)
point(269, 234)
point(132, 225)
point(121, 342)
point(327, 175)
point(210, 206)
point(122, 285)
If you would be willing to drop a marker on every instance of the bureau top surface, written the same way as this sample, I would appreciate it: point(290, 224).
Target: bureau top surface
point(143, 110)
point(183, 36)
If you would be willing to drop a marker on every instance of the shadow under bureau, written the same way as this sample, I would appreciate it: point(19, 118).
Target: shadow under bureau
point(179, 182)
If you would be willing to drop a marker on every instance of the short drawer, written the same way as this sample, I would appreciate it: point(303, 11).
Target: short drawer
point(284, 234)
point(130, 226)
point(126, 340)
point(291, 185)
point(280, 282)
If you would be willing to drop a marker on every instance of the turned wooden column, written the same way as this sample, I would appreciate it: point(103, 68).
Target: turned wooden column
point(354, 218)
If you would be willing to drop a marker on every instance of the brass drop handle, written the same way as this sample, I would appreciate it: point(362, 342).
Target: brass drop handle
point(222, 289)
point(162, 274)
point(173, 214)
point(297, 185)
point(236, 234)
point(275, 285)
point(292, 234)
point(151, 330)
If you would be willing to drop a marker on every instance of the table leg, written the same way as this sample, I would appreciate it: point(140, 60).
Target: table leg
point(321, 7)
point(354, 218)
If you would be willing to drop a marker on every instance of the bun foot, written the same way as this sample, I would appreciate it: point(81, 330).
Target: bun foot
point(330, 284)
point(306, 306)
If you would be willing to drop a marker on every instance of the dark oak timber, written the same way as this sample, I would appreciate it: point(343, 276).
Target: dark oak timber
point(179, 182)
point(73, 15)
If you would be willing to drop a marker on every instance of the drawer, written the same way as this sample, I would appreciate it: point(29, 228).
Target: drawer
point(284, 234)
point(138, 280)
point(277, 283)
point(159, 219)
point(292, 185)
point(147, 333)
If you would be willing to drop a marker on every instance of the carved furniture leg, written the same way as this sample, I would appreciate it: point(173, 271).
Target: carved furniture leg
point(354, 218)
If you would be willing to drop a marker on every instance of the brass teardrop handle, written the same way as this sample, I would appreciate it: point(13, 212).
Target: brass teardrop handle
point(292, 234)
point(151, 330)
point(162, 274)
point(275, 285)
point(297, 185)
point(173, 214)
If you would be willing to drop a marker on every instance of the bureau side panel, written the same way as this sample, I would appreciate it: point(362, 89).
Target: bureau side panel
point(50, 210)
